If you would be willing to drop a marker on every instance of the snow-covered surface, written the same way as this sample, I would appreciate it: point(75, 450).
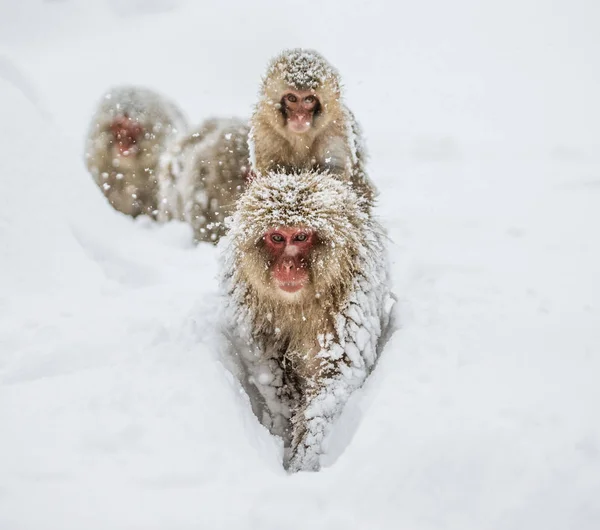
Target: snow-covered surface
point(483, 125)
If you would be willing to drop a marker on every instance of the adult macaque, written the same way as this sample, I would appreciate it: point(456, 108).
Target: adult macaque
point(308, 302)
point(301, 123)
point(203, 175)
point(129, 132)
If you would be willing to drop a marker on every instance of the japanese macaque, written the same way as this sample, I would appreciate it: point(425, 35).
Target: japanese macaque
point(203, 175)
point(301, 123)
point(308, 303)
point(129, 132)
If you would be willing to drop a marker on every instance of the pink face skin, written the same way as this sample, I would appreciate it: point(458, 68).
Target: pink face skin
point(298, 108)
point(126, 133)
point(289, 251)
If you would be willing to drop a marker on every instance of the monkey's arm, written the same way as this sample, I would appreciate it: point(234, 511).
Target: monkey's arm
point(264, 382)
point(331, 376)
point(335, 156)
point(313, 422)
point(332, 154)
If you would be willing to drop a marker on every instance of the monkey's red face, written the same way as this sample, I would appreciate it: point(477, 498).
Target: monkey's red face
point(289, 252)
point(299, 108)
point(126, 133)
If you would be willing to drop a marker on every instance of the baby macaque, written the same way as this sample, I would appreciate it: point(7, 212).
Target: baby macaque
point(301, 122)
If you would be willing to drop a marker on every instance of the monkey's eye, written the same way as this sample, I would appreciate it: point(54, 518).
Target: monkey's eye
point(291, 98)
point(301, 237)
point(277, 238)
point(309, 99)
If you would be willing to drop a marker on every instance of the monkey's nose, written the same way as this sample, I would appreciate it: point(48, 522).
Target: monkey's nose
point(288, 265)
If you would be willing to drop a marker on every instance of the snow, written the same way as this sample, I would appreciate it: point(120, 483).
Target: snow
point(482, 124)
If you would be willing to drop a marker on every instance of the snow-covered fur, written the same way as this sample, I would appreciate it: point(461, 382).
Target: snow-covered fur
point(130, 183)
point(334, 142)
point(203, 174)
point(306, 354)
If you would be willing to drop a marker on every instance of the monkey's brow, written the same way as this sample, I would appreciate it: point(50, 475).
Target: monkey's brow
point(305, 87)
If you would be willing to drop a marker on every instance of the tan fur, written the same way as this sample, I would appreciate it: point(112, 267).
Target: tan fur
point(130, 183)
point(203, 176)
point(333, 144)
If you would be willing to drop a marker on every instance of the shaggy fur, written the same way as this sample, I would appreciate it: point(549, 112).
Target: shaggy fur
point(203, 175)
point(130, 183)
point(333, 144)
point(306, 353)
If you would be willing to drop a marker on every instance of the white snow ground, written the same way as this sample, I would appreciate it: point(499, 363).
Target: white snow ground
point(483, 123)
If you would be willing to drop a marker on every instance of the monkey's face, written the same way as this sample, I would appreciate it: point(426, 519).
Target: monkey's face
point(288, 250)
point(126, 135)
point(299, 109)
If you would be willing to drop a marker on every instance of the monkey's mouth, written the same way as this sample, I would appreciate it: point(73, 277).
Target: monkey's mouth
point(300, 126)
point(292, 286)
point(127, 149)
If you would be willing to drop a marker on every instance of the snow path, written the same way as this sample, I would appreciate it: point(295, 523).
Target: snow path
point(115, 411)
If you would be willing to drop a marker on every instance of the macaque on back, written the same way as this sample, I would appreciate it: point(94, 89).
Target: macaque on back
point(128, 134)
point(301, 123)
